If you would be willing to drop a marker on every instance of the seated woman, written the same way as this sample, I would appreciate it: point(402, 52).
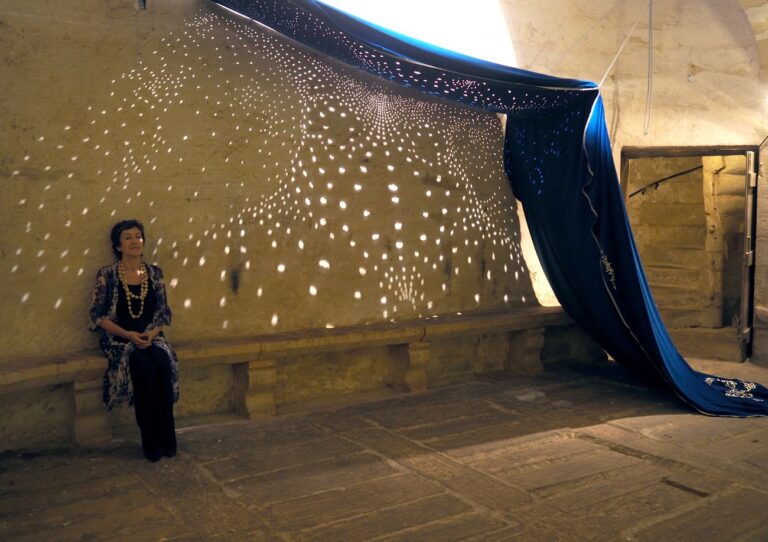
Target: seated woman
point(130, 310)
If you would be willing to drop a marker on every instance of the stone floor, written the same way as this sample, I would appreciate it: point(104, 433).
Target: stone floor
point(583, 453)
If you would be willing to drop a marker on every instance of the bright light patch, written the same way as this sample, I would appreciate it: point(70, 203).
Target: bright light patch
point(476, 29)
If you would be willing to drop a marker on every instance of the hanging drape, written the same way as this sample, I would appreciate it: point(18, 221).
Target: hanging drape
point(558, 159)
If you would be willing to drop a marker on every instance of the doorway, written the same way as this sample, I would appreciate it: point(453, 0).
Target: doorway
point(692, 215)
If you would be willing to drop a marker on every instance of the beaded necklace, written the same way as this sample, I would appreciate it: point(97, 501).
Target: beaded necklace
point(130, 295)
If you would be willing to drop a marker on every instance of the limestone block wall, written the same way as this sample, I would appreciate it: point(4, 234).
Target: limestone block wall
point(280, 190)
point(669, 227)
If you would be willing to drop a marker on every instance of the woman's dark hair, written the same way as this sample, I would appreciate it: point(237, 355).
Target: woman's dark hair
point(119, 228)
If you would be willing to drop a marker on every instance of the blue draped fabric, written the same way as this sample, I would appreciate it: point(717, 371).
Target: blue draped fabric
point(558, 159)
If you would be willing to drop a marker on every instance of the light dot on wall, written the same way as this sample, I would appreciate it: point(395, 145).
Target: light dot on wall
point(187, 303)
point(274, 320)
point(280, 267)
point(358, 295)
point(312, 289)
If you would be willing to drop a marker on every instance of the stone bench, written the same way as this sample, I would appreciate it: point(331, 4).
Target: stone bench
point(253, 359)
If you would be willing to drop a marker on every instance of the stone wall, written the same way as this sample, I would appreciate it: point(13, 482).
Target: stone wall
point(280, 190)
point(724, 188)
point(668, 222)
point(690, 235)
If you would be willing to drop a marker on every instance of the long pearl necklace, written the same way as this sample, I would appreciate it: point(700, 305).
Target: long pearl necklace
point(130, 295)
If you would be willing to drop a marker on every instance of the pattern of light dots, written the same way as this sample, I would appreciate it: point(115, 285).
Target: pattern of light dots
point(306, 181)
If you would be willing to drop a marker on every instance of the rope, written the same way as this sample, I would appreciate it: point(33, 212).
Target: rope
point(616, 57)
point(655, 184)
point(650, 69)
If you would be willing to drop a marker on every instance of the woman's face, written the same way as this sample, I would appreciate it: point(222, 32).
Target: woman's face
point(131, 243)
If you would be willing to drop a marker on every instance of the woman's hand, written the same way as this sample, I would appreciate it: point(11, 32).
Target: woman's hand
point(152, 333)
point(141, 340)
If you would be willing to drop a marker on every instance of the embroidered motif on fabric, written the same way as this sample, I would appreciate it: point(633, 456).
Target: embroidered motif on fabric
point(609, 270)
point(732, 388)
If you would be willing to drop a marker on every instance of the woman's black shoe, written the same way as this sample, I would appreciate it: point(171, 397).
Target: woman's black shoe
point(169, 452)
point(153, 456)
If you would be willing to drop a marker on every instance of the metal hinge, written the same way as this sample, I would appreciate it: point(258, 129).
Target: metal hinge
point(750, 257)
point(752, 176)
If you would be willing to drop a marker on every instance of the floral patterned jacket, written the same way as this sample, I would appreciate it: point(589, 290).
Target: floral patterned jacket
point(118, 387)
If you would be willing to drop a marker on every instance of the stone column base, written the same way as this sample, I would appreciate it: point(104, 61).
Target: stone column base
point(91, 423)
point(416, 375)
point(525, 351)
point(255, 388)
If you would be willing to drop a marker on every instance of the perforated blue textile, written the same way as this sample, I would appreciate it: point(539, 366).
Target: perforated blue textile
point(558, 160)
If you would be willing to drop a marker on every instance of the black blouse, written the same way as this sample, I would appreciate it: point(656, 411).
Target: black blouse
point(124, 319)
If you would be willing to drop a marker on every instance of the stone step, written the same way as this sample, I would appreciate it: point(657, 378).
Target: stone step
point(660, 253)
point(685, 235)
point(708, 343)
point(680, 276)
point(674, 317)
point(674, 296)
point(669, 265)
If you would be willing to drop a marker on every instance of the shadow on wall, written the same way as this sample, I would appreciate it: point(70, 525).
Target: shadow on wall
point(280, 190)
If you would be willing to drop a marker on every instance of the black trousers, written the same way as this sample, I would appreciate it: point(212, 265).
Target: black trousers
point(153, 400)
